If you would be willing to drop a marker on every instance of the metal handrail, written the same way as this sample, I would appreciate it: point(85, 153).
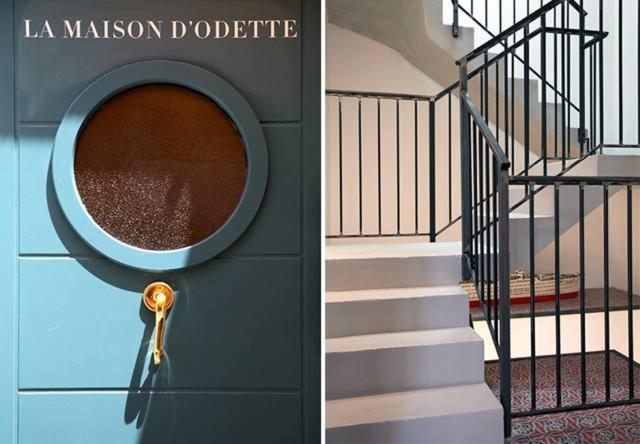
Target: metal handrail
point(377, 95)
point(501, 157)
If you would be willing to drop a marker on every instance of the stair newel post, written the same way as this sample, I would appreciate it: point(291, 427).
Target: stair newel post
point(465, 173)
point(504, 295)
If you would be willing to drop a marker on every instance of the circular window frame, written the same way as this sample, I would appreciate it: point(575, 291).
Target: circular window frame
point(167, 72)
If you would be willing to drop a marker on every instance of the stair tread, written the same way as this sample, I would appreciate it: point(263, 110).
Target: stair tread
point(415, 404)
point(380, 294)
point(395, 250)
point(404, 339)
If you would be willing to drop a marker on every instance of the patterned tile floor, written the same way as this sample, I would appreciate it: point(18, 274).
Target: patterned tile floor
point(605, 425)
point(619, 424)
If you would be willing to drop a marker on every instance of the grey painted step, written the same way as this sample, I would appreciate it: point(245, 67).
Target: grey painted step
point(389, 362)
point(370, 266)
point(462, 414)
point(361, 312)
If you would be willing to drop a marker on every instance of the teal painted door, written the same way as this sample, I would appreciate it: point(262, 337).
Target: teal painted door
point(243, 335)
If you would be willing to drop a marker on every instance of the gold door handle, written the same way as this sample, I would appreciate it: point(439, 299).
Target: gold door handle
point(158, 297)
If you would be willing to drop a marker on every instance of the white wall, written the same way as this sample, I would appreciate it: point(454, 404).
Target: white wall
point(569, 335)
point(594, 246)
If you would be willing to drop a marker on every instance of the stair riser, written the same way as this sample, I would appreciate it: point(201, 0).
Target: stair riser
point(383, 316)
point(360, 274)
point(483, 427)
point(393, 370)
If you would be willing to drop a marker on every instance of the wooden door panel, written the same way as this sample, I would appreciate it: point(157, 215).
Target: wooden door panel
point(159, 417)
point(42, 224)
point(234, 324)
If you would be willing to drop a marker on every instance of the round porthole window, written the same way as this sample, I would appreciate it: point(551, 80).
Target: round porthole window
point(160, 167)
point(160, 172)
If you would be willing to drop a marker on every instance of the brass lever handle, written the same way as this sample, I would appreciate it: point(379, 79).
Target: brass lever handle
point(158, 297)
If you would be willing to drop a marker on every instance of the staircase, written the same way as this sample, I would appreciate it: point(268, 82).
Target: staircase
point(395, 318)
point(402, 363)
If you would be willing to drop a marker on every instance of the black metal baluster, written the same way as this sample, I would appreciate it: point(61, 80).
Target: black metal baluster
point(607, 342)
point(527, 146)
point(415, 168)
point(486, 299)
point(486, 14)
point(556, 232)
point(513, 108)
point(398, 204)
point(340, 192)
point(620, 76)
point(455, 29)
point(490, 246)
point(513, 94)
point(494, 251)
point(532, 292)
point(474, 198)
point(543, 68)
point(505, 314)
point(449, 158)
point(465, 166)
point(497, 102)
point(485, 88)
point(360, 164)
point(555, 83)
point(582, 104)
point(568, 81)
point(432, 176)
point(563, 74)
point(506, 100)
point(583, 320)
point(379, 131)
point(600, 47)
point(592, 99)
point(630, 289)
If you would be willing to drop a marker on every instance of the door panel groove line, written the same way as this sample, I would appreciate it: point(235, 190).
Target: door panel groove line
point(161, 390)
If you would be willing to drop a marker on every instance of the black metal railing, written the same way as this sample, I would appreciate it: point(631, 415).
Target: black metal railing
point(491, 18)
point(497, 136)
point(577, 196)
point(371, 139)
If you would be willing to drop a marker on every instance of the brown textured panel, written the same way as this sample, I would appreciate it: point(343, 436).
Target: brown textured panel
point(160, 167)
